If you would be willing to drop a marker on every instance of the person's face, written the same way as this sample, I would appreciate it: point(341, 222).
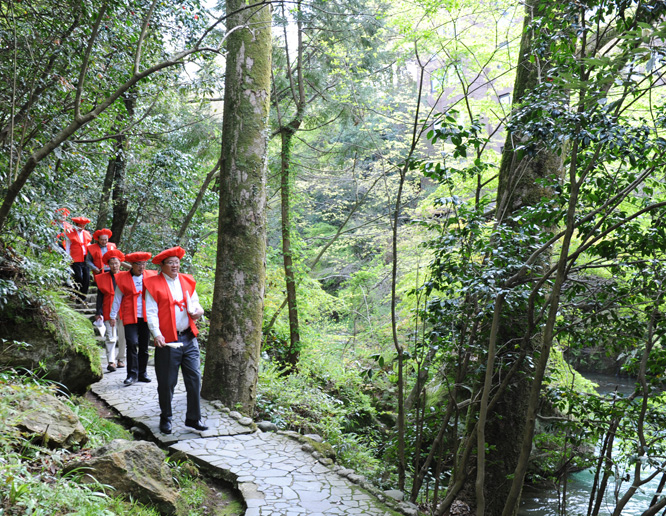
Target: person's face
point(80, 227)
point(171, 266)
point(103, 240)
point(114, 265)
point(138, 268)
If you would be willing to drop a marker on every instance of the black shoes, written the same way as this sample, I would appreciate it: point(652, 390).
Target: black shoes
point(165, 425)
point(133, 379)
point(197, 425)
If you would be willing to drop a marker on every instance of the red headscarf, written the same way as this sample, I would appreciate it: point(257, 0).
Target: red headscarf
point(112, 253)
point(101, 232)
point(177, 251)
point(137, 257)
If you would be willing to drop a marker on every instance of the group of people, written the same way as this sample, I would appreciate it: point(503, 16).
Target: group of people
point(138, 305)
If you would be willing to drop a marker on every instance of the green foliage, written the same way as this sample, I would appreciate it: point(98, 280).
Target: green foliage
point(100, 431)
point(198, 498)
point(330, 407)
point(31, 481)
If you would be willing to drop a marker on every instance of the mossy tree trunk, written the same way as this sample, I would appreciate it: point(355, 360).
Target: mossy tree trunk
point(232, 358)
point(293, 353)
point(119, 164)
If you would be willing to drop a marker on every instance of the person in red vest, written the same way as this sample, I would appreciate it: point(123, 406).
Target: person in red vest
point(106, 289)
point(97, 251)
point(76, 245)
point(129, 296)
point(172, 307)
point(63, 226)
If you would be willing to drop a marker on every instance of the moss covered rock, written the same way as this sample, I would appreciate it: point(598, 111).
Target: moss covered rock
point(51, 339)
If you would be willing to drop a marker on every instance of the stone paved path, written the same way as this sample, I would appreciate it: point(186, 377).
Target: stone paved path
point(272, 471)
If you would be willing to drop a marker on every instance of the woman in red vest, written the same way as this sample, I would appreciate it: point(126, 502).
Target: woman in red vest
point(129, 297)
point(106, 289)
point(97, 251)
point(76, 245)
point(172, 307)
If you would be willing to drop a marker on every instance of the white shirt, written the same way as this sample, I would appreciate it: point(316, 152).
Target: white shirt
point(182, 319)
point(118, 297)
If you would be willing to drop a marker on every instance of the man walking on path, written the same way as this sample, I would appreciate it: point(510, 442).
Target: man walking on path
point(76, 245)
point(129, 296)
point(97, 251)
point(172, 307)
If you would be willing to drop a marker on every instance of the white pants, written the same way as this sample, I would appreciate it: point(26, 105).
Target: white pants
point(112, 337)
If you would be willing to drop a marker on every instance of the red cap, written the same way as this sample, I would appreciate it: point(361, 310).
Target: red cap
point(137, 257)
point(101, 232)
point(177, 251)
point(63, 211)
point(81, 220)
point(113, 253)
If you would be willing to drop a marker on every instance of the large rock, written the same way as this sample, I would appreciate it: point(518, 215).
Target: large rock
point(52, 339)
point(133, 468)
point(53, 422)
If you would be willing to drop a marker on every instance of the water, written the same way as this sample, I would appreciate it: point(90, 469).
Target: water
point(544, 502)
point(541, 502)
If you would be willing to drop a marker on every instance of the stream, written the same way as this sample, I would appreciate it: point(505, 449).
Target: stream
point(544, 502)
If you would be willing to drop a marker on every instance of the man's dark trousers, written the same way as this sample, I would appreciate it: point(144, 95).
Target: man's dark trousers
point(167, 362)
point(137, 336)
point(81, 279)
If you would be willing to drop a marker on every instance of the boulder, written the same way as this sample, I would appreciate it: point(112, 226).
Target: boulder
point(53, 422)
point(50, 338)
point(267, 426)
point(408, 509)
point(133, 468)
point(460, 508)
point(395, 494)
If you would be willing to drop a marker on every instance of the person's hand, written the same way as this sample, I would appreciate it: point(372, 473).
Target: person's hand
point(97, 270)
point(197, 314)
point(159, 341)
point(112, 323)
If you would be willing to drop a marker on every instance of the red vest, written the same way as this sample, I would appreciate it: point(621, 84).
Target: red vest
point(105, 286)
point(96, 252)
point(77, 249)
point(125, 283)
point(159, 289)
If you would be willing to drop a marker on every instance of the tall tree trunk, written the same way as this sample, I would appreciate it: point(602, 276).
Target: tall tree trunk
point(103, 210)
point(232, 358)
point(502, 428)
point(293, 353)
point(118, 195)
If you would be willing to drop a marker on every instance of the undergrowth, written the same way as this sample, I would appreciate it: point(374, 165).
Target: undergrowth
point(31, 478)
point(341, 414)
